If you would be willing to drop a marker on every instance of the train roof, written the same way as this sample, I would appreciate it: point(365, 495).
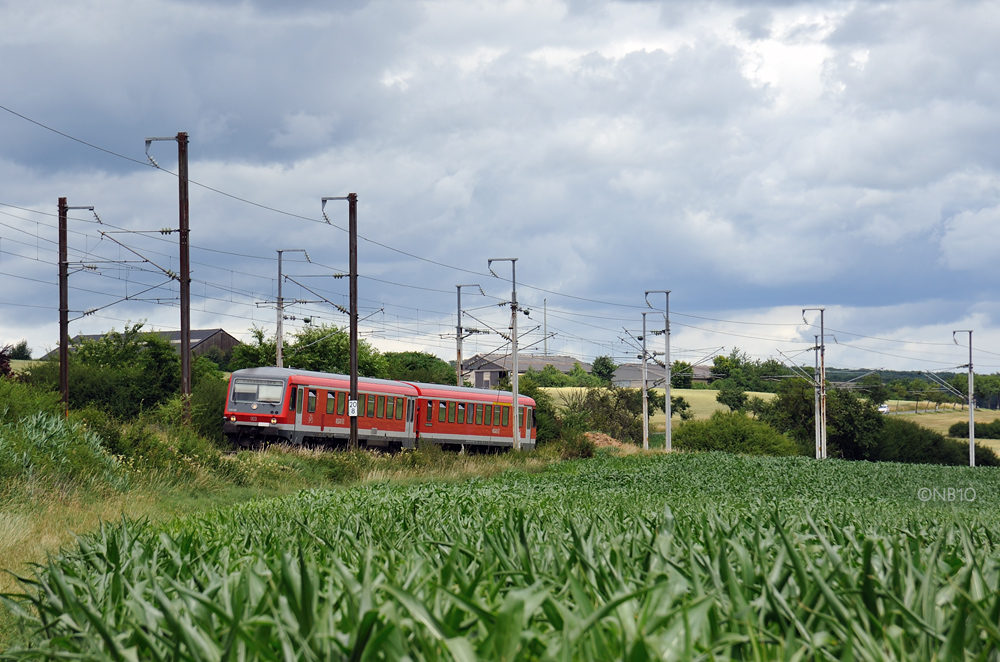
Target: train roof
point(426, 390)
point(446, 390)
point(271, 372)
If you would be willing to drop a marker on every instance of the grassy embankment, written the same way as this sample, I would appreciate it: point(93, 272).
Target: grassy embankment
point(57, 491)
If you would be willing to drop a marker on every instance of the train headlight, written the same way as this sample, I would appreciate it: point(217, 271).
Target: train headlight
point(273, 421)
point(233, 418)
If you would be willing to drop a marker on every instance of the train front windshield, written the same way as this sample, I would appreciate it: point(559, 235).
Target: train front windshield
point(257, 390)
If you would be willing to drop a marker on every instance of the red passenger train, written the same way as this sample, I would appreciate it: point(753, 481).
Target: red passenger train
point(300, 407)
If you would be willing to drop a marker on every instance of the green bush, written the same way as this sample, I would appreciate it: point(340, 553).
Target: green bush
point(983, 430)
point(905, 441)
point(19, 400)
point(733, 433)
point(100, 423)
point(577, 446)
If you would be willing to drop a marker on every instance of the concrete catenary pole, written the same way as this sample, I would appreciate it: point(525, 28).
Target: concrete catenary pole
point(667, 408)
point(278, 336)
point(645, 403)
point(821, 448)
point(63, 309)
point(513, 342)
point(816, 416)
point(972, 400)
point(460, 333)
point(64, 303)
point(352, 231)
point(279, 332)
point(185, 266)
point(352, 202)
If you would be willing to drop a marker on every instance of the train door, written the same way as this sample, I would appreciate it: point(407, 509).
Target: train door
point(299, 397)
point(409, 424)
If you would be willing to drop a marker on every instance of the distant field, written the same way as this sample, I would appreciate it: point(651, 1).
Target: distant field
point(944, 418)
point(20, 366)
point(702, 403)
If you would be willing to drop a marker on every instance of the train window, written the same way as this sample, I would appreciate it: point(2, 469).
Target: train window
point(381, 407)
point(442, 411)
point(528, 417)
point(257, 390)
point(298, 401)
point(291, 399)
point(341, 402)
point(489, 415)
point(331, 401)
point(409, 409)
point(451, 412)
point(479, 414)
point(430, 411)
point(496, 416)
point(389, 407)
point(371, 406)
point(461, 412)
point(399, 409)
point(311, 407)
point(506, 417)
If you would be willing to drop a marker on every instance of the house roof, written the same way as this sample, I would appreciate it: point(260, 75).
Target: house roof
point(563, 364)
point(632, 372)
point(198, 336)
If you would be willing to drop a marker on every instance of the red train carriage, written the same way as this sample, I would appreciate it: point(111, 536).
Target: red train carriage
point(454, 417)
point(300, 407)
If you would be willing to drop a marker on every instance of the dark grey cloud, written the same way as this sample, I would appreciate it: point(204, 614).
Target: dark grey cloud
point(750, 156)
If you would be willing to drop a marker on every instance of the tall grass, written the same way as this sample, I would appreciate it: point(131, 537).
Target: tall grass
point(704, 556)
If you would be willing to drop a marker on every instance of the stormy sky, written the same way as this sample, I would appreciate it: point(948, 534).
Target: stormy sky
point(754, 158)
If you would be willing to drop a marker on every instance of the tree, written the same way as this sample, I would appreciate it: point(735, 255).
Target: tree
point(853, 427)
point(419, 367)
point(603, 368)
point(749, 374)
point(326, 348)
point(615, 411)
point(261, 352)
point(681, 407)
point(681, 375)
point(732, 396)
point(876, 391)
point(5, 370)
point(21, 351)
point(579, 377)
point(119, 373)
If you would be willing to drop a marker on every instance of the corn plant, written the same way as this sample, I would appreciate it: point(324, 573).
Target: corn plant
point(682, 557)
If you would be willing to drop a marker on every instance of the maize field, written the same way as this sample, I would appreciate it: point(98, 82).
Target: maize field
point(669, 557)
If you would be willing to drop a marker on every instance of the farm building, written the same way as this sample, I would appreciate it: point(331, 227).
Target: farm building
point(486, 370)
point(201, 341)
point(629, 375)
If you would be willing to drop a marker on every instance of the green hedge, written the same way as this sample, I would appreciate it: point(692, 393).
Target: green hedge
point(733, 433)
point(905, 441)
point(983, 430)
